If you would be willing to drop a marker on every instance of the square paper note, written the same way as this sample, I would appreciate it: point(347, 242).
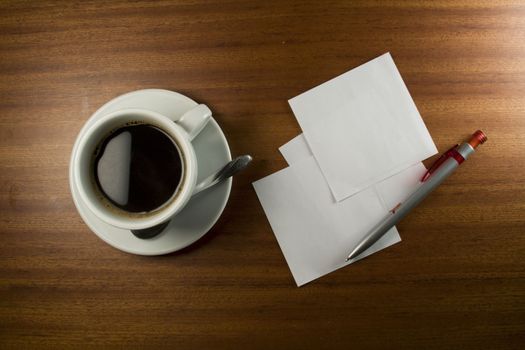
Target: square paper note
point(314, 232)
point(362, 126)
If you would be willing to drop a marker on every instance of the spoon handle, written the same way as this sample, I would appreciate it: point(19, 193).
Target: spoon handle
point(227, 171)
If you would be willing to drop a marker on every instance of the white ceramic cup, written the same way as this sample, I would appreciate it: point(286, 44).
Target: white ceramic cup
point(181, 131)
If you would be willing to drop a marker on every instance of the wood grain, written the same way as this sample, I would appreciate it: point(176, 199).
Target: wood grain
point(456, 281)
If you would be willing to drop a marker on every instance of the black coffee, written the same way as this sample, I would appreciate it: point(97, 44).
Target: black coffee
point(138, 168)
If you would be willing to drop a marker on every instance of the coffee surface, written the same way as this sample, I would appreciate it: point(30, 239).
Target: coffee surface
point(138, 168)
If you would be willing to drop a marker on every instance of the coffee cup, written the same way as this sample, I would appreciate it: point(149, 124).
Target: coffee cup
point(121, 128)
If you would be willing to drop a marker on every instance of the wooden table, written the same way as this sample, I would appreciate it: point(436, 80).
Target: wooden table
point(456, 281)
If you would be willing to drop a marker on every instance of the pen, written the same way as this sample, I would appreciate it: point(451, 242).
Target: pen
point(438, 172)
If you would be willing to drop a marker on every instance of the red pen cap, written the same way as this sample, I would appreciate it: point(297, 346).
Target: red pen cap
point(477, 139)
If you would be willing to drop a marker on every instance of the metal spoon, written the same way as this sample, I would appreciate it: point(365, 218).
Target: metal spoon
point(230, 169)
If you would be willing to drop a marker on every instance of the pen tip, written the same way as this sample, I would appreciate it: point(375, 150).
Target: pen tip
point(351, 256)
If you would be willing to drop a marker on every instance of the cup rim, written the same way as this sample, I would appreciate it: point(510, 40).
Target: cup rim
point(190, 170)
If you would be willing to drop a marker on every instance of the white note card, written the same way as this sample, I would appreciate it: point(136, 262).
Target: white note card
point(362, 127)
point(315, 233)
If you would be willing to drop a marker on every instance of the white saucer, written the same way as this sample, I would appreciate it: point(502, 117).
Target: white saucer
point(201, 213)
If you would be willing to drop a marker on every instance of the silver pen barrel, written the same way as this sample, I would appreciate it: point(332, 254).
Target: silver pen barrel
point(397, 214)
point(402, 209)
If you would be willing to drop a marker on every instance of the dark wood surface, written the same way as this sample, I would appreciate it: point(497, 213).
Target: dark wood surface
point(456, 281)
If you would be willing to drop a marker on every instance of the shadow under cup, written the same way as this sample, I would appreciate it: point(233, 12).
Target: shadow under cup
point(134, 172)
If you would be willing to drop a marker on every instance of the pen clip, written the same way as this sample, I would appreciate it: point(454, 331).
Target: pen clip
point(438, 162)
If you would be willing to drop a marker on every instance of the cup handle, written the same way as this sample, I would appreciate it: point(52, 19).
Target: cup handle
point(194, 120)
